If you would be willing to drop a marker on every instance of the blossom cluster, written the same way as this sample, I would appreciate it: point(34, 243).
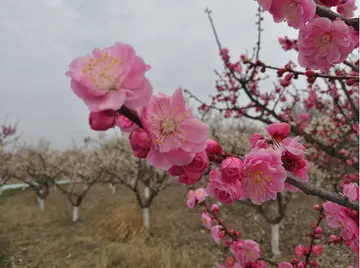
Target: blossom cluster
point(165, 132)
point(322, 43)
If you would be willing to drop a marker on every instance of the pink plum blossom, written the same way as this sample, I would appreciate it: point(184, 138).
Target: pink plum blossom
point(125, 124)
point(345, 219)
point(224, 191)
point(103, 120)
point(231, 169)
point(285, 265)
point(278, 131)
point(191, 200)
point(206, 220)
point(351, 190)
point(324, 43)
point(245, 251)
point(293, 158)
point(263, 175)
point(140, 143)
point(198, 165)
point(176, 171)
point(196, 197)
point(299, 250)
point(189, 178)
point(213, 148)
point(110, 78)
point(317, 250)
point(304, 117)
point(265, 4)
point(296, 12)
point(346, 8)
point(217, 233)
point(255, 137)
point(176, 134)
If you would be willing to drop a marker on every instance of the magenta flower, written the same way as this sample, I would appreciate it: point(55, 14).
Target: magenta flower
point(245, 251)
point(213, 148)
point(346, 8)
point(324, 43)
point(317, 250)
point(285, 265)
point(177, 135)
point(206, 220)
point(103, 120)
point(231, 169)
point(255, 137)
point(125, 124)
point(299, 250)
point(217, 233)
point(140, 143)
point(265, 4)
point(189, 178)
point(296, 12)
point(263, 175)
point(278, 131)
point(351, 190)
point(198, 165)
point(110, 78)
point(224, 191)
point(195, 197)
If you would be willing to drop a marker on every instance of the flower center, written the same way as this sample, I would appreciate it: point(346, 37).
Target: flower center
point(326, 38)
point(168, 126)
point(258, 177)
point(104, 72)
point(292, 6)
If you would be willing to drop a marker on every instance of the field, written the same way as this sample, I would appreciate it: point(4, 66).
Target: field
point(109, 233)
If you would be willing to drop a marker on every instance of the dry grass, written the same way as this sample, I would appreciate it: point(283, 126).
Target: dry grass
point(110, 234)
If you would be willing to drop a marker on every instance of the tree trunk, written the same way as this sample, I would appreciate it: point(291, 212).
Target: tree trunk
point(75, 214)
point(41, 203)
point(146, 217)
point(113, 189)
point(145, 211)
point(275, 239)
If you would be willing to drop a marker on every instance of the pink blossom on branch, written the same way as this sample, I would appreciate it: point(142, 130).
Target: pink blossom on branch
point(103, 120)
point(231, 169)
point(196, 197)
point(125, 124)
point(346, 8)
point(224, 191)
point(176, 134)
point(245, 251)
point(285, 265)
point(296, 12)
point(110, 78)
point(324, 43)
point(278, 131)
point(263, 175)
point(140, 143)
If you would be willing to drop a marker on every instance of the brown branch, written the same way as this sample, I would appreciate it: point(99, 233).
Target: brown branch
point(310, 189)
point(323, 11)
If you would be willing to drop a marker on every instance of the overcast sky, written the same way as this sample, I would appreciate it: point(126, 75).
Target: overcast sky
point(39, 38)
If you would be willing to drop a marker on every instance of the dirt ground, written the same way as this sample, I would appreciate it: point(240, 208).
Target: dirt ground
point(109, 233)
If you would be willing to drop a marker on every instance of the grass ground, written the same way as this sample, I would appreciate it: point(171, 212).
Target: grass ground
point(109, 233)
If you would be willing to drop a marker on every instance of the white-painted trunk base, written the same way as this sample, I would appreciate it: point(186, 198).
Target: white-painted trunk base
point(146, 217)
point(85, 187)
point(24, 187)
point(113, 190)
point(275, 239)
point(110, 186)
point(75, 215)
point(41, 204)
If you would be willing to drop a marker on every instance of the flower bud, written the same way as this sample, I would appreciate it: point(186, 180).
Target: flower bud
point(140, 143)
point(103, 120)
